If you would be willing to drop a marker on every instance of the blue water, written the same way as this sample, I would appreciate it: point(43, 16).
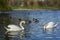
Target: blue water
point(34, 31)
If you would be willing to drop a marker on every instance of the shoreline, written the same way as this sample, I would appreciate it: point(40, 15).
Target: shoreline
point(36, 9)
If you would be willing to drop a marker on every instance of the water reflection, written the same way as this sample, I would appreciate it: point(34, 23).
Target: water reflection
point(34, 29)
point(16, 35)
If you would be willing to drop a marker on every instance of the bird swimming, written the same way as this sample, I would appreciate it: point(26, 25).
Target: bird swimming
point(49, 26)
point(15, 27)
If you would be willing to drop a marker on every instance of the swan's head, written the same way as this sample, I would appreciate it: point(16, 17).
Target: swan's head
point(22, 23)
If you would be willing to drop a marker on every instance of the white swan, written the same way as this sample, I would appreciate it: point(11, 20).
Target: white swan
point(49, 26)
point(15, 27)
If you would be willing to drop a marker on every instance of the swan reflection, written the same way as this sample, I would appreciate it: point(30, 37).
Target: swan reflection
point(17, 35)
point(13, 35)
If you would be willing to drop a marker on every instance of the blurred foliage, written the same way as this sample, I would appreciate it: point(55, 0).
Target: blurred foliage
point(4, 5)
point(4, 19)
point(33, 4)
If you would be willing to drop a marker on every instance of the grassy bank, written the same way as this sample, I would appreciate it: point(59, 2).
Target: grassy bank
point(35, 8)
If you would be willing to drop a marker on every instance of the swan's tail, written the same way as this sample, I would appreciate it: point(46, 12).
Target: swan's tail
point(6, 28)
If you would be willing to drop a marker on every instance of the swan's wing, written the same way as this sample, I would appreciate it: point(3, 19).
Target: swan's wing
point(13, 26)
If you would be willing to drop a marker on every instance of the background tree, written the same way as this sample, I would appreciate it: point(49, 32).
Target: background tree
point(28, 2)
point(35, 3)
point(58, 2)
point(4, 5)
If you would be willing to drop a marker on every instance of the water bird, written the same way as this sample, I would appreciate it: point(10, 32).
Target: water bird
point(49, 26)
point(15, 27)
point(35, 20)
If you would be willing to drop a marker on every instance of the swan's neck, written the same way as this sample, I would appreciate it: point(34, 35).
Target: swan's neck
point(21, 24)
point(44, 27)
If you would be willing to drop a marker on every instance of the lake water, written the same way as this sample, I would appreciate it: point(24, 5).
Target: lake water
point(34, 30)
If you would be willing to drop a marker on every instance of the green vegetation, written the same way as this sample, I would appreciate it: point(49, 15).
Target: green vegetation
point(4, 5)
point(39, 7)
point(36, 4)
point(4, 19)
